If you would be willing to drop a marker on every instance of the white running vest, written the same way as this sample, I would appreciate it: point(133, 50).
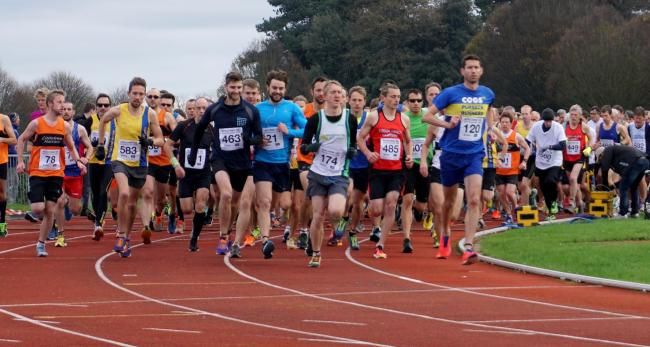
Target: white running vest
point(638, 137)
point(330, 160)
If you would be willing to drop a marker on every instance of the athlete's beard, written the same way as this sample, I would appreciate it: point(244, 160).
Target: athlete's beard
point(234, 97)
point(135, 103)
point(276, 97)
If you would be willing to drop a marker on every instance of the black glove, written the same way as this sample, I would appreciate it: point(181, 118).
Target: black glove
point(310, 148)
point(191, 158)
point(94, 142)
point(100, 153)
point(254, 140)
point(145, 141)
point(352, 151)
point(4, 134)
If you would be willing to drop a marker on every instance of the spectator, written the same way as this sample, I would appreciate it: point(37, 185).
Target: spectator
point(39, 96)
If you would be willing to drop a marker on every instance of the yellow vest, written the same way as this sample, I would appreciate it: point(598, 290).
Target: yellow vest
point(124, 146)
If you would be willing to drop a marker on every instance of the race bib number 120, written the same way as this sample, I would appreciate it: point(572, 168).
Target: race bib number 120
point(470, 128)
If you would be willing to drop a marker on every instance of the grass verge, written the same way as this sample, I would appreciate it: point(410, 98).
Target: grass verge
point(616, 249)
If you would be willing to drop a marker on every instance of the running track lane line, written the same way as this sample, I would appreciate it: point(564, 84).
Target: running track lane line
point(48, 326)
point(417, 315)
point(33, 244)
point(334, 339)
point(494, 296)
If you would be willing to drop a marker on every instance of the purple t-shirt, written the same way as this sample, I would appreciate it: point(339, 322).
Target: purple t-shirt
point(36, 114)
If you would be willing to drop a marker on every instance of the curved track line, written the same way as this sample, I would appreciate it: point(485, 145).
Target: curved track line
point(103, 277)
point(417, 315)
point(48, 326)
point(494, 296)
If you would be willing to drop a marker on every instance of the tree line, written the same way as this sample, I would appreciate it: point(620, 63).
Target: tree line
point(546, 53)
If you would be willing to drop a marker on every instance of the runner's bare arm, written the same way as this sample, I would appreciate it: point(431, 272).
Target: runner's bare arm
point(371, 120)
point(83, 137)
point(504, 143)
point(523, 144)
point(29, 132)
point(9, 131)
point(408, 144)
point(430, 118)
point(155, 129)
point(585, 130)
point(171, 121)
point(625, 137)
point(111, 114)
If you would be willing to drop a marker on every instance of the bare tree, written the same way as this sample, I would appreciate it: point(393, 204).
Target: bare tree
point(8, 88)
point(77, 90)
point(119, 95)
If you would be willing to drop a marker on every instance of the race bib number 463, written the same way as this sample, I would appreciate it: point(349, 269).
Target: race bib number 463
point(231, 139)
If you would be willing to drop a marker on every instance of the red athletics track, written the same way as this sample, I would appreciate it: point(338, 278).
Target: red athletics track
point(164, 295)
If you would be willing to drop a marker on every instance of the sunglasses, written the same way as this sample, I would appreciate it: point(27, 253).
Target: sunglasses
point(153, 96)
point(103, 105)
point(415, 100)
point(166, 105)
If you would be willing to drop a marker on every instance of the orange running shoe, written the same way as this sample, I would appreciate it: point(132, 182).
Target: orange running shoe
point(379, 253)
point(469, 257)
point(496, 214)
point(249, 240)
point(146, 235)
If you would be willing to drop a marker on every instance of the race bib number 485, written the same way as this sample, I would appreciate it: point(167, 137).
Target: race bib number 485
point(390, 149)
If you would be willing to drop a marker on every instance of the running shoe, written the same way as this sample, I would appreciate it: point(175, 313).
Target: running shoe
point(90, 215)
point(286, 234)
point(120, 245)
point(127, 249)
point(54, 232)
point(407, 247)
point(550, 217)
point(339, 231)
point(309, 251)
point(256, 232)
point(376, 232)
point(314, 261)
point(194, 244)
point(303, 238)
point(31, 217)
point(358, 228)
point(634, 215)
point(469, 257)
point(60, 241)
point(208, 219)
point(171, 223)
point(496, 214)
point(291, 243)
point(249, 241)
point(481, 223)
point(67, 214)
point(158, 223)
point(444, 251)
point(40, 249)
point(436, 239)
point(267, 249)
point(427, 224)
point(334, 241)
point(379, 253)
point(98, 233)
point(223, 247)
point(180, 226)
point(508, 220)
point(167, 209)
point(533, 197)
point(146, 235)
point(235, 251)
point(3, 230)
point(554, 209)
point(354, 241)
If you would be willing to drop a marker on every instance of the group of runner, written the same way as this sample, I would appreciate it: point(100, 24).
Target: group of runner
point(267, 162)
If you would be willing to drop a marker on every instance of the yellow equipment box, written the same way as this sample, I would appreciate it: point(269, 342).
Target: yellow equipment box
point(527, 215)
point(602, 195)
point(602, 208)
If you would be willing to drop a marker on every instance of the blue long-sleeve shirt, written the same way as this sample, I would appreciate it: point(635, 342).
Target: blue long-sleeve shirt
point(277, 150)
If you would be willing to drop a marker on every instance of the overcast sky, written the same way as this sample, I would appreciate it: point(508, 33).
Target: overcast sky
point(184, 46)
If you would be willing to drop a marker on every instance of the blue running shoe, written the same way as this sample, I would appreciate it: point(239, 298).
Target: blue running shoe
point(40, 249)
point(67, 213)
point(376, 233)
point(121, 245)
point(223, 247)
point(339, 231)
point(171, 223)
point(54, 232)
point(127, 249)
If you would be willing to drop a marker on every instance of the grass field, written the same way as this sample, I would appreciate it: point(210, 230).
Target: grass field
point(616, 249)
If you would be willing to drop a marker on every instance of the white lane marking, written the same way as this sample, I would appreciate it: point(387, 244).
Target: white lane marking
point(129, 275)
point(103, 277)
point(334, 341)
point(33, 244)
point(577, 319)
point(174, 330)
point(417, 315)
point(333, 322)
point(40, 320)
point(134, 284)
point(497, 332)
point(10, 341)
point(71, 332)
point(494, 296)
point(280, 296)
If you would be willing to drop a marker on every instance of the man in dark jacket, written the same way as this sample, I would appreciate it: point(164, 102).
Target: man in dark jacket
point(631, 164)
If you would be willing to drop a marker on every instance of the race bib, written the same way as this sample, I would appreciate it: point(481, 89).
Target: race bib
point(231, 139)
point(470, 128)
point(154, 151)
point(68, 158)
point(417, 147)
point(639, 144)
point(329, 162)
point(545, 157)
point(606, 142)
point(128, 150)
point(390, 148)
point(506, 160)
point(573, 147)
point(274, 139)
point(50, 159)
point(94, 136)
point(200, 159)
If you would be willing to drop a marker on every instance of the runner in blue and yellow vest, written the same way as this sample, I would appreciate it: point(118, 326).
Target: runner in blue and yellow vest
point(127, 154)
point(100, 174)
